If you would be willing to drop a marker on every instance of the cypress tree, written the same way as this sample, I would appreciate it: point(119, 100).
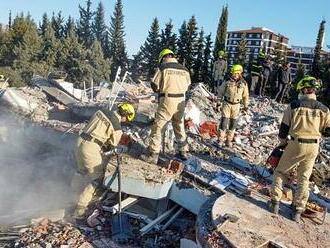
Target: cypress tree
point(182, 43)
point(9, 20)
point(198, 62)
point(220, 40)
point(241, 51)
point(151, 48)
point(85, 31)
point(99, 26)
point(191, 42)
point(168, 37)
point(316, 67)
point(117, 47)
point(207, 59)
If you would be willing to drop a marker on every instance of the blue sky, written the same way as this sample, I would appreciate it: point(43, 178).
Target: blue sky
point(297, 19)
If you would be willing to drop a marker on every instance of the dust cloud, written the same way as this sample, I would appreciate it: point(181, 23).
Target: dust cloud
point(36, 166)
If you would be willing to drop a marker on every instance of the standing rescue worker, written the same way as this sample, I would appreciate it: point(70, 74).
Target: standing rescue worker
point(232, 93)
point(102, 133)
point(284, 80)
point(219, 70)
point(266, 72)
point(171, 82)
point(303, 124)
point(256, 72)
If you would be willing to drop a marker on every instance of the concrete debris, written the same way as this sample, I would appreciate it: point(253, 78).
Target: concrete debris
point(52, 234)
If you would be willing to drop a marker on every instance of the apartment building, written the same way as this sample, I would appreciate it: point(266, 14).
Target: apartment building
point(258, 39)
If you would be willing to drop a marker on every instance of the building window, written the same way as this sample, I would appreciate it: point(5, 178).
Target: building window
point(235, 35)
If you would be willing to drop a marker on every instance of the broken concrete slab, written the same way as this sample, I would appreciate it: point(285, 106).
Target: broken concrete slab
point(189, 198)
point(139, 178)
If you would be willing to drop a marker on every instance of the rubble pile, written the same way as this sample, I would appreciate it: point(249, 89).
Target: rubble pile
point(52, 234)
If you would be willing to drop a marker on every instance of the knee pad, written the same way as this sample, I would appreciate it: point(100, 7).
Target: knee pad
point(224, 123)
point(232, 124)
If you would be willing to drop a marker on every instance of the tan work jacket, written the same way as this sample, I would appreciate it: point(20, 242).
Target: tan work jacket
point(171, 78)
point(305, 118)
point(234, 92)
point(105, 127)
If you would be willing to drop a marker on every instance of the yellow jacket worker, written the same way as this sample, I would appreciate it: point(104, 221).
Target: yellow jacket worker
point(232, 93)
point(171, 82)
point(102, 131)
point(304, 122)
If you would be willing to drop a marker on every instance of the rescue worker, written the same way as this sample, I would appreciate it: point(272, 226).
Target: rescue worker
point(284, 80)
point(102, 133)
point(232, 93)
point(256, 72)
point(171, 82)
point(304, 122)
point(266, 72)
point(219, 70)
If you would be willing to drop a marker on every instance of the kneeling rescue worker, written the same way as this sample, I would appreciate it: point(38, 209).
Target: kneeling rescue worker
point(102, 133)
point(231, 94)
point(304, 122)
point(171, 82)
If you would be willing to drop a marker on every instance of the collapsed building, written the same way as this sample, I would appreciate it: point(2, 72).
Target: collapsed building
point(172, 204)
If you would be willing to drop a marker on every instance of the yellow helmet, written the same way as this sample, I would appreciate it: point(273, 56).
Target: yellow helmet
point(164, 52)
point(221, 53)
point(309, 82)
point(126, 109)
point(2, 77)
point(236, 69)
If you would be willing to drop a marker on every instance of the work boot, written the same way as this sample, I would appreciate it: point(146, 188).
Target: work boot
point(296, 215)
point(150, 157)
point(182, 155)
point(274, 207)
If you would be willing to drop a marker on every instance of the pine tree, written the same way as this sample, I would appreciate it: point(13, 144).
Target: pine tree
point(168, 37)
point(207, 59)
point(69, 26)
point(72, 60)
point(182, 43)
point(198, 62)
point(85, 31)
point(49, 47)
point(101, 67)
point(99, 26)
point(44, 24)
point(151, 48)
point(57, 24)
point(137, 63)
point(316, 67)
point(220, 41)
point(26, 51)
point(241, 51)
point(117, 47)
